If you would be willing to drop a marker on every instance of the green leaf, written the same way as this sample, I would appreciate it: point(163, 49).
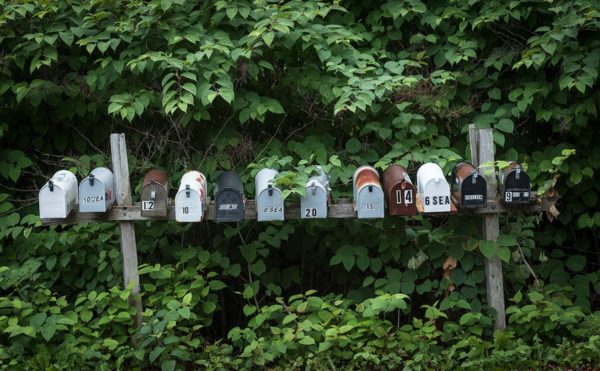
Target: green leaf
point(48, 330)
point(156, 353)
point(505, 125)
point(353, 145)
point(289, 318)
point(268, 38)
point(576, 263)
point(487, 248)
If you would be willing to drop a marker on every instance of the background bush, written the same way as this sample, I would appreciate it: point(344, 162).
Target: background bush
point(291, 84)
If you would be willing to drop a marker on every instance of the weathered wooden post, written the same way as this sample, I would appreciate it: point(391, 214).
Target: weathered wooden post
point(123, 198)
point(482, 151)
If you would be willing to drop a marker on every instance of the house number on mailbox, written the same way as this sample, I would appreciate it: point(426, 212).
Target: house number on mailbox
point(310, 212)
point(148, 205)
point(408, 196)
point(437, 200)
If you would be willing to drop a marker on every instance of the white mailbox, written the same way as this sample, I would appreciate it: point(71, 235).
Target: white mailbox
point(314, 204)
point(58, 197)
point(190, 200)
point(96, 191)
point(269, 201)
point(367, 192)
point(434, 190)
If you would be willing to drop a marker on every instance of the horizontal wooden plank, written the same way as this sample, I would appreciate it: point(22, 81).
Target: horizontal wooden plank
point(342, 209)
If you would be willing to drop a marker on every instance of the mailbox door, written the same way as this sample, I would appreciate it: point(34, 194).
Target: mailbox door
point(370, 203)
point(269, 207)
point(229, 206)
point(154, 200)
point(516, 190)
point(436, 196)
point(314, 206)
point(402, 199)
point(189, 208)
point(54, 204)
point(473, 192)
point(93, 198)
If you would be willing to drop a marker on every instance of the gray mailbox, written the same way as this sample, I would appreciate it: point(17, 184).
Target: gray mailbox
point(96, 191)
point(269, 201)
point(314, 204)
point(58, 197)
point(190, 200)
point(229, 198)
point(434, 190)
point(368, 194)
point(155, 194)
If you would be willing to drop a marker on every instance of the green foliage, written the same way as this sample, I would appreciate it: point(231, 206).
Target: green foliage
point(293, 85)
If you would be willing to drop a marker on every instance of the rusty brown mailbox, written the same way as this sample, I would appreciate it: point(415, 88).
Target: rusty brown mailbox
point(155, 194)
point(399, 191)
point(469, 189)
point(515, 187)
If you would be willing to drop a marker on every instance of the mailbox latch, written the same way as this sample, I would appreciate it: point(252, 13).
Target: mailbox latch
point(370, 188)
point(187, 190)
point(153, 194)
point(92, 178)
point(474, 177)
point(314, 188)
point(518, 173)
point(270, 187)
point(51, 185)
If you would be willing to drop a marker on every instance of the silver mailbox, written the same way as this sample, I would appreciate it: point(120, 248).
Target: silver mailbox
point(314, 204)
point(58, 197)
point(434, 190)
point(96, 191)
point(368, 194)
point(269, 201)
point(190, 201)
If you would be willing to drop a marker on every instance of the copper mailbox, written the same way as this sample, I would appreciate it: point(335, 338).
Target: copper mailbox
point(155, 194)
point(469, 189)
point(399, 191)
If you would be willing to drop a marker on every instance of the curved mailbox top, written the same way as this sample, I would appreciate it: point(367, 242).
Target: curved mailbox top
point(515, 184)
point(321, 181)
point(399, 191)
point(365, 175)
point(428, 172)
point(469, 188)
point(59, 196)
point(229, 180)
point(156, 176)
point(264, 180)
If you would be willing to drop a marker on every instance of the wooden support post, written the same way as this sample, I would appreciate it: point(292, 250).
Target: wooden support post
point(482, 151)
point(123, 198)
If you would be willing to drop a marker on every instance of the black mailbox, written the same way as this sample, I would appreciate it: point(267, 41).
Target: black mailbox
point(469, 189)
point(515, 187)
point(229, 198)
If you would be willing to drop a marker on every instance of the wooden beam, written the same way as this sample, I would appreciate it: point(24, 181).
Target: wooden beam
point(342, 209)
point(123, 200)
point(482, 151)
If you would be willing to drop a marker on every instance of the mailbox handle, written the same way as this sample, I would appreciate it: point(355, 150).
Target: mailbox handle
point(92, 177)
point(270, 187)
point(518, 173)
point(51, 185)
point(187, 190)
point(314, 188)
point(370, 188)
point(153, 194)
point(474, 177)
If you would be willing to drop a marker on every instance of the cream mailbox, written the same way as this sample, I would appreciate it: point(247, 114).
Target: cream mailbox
point(58, 197)
point(515, 187)
point(155, 194)
point(96, 192)
point(314, 204)
point(229, 198)
point(269, 201)
point(434, 190)
point(190, 200)
point(367, 192)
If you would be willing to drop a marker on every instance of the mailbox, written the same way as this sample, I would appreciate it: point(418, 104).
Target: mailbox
point(367, 192)
point(314, 204)
point(58, 197)
point(229, 198)
point(155, 194)
point(469, 189)
point(515, 185)
point(269, 201)
point(434, 190)
point(190, 200)
point(96, 192)
point(400, 193)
